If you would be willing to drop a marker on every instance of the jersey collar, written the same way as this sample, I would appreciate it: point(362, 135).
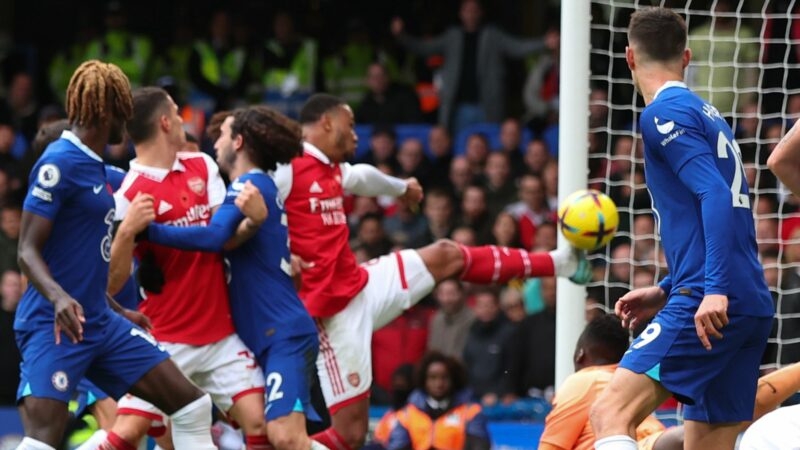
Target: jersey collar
point(315, 152)
point(157, 173)
point(76, 141)
point(670, 84)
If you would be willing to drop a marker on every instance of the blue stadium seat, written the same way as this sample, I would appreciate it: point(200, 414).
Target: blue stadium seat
point(363, 132)
point(414, 130)
point(491, 131)
point(550, 137)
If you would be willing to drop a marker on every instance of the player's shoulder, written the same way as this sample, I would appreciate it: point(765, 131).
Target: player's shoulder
point(263, 181)
point(60, 151)
point(197, 158)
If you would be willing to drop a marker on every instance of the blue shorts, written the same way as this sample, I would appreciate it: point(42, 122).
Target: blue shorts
point(717, 385)
point(289, 368)
point(86, 395)
point(114, 354)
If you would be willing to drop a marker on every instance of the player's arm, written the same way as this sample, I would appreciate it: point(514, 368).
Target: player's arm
point(134, 316)
point(785, 160)
point(135, 216)
point(251, 203)
point(368, 181)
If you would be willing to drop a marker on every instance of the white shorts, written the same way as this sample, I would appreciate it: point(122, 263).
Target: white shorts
point(396, 282)
point(225, 369)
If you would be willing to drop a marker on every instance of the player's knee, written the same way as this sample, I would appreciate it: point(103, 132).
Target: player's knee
point(444, 259)
point(283, 438)
point(131, 428)
point(355, 435)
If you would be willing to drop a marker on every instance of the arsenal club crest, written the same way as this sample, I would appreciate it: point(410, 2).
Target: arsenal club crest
point(197, 185)
point(354, 379)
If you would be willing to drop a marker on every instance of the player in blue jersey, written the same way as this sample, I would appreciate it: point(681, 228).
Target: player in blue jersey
point(267, 313)
point(64, 250)
point(713, 313)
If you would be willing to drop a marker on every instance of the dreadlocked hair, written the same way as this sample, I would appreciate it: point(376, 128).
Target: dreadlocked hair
point(270, 138)
point(97, 92)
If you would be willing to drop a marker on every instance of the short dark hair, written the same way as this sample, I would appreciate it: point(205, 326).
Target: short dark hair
point(148, 104)
point(659, 33)
point(317, 105)
point(606, 338)
point(270, 138)
point(47, 134)
point(458, 376)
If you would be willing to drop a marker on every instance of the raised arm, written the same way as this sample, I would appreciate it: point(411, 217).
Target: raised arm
point(366, 180)
point(424, 47)
point(135, 218)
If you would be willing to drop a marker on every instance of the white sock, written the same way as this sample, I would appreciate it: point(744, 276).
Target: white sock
point(317, 446)
point(191, 425)
point(93, 442)
point(564, 262)
point(618, 442)
point(32, 444)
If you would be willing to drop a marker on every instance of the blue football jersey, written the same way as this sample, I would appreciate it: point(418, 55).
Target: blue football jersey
point(264, 303)
point(115, 176)
point(701, 202)
point(68, 186)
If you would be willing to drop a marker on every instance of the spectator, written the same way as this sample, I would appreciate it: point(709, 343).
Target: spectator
point(460, 176)
point(546, 237)
point(531, 210)
point(412, 161)
point(450, 325)
point(439, 414)
point(504, 231)
point(550, 180)
point(511, 145)
point(536, 158)
point(767, 234)
point(500, 189)
point(10, 293)
point(786, 328)
point(619, 272)
point(475, 214)
point(644, 238)
point(511, 305)
point(382, 150)
point(598, 107)
point(465, 235)
point(473, 74)
point(541, 88)
point(532, 352)
point(385, 101)
point(10, 217)
point(24, 107)
point(476, 152)
point(486, 351)
point(402, 386)
point(371, 237)
point(290, 66)
point(440, 146)
point(439, 216)
point(405, 227)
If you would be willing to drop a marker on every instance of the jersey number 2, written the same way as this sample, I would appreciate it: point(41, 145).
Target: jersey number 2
point(724, 146)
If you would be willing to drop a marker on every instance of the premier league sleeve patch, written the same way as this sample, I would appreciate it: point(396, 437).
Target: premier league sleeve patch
point(48, 176)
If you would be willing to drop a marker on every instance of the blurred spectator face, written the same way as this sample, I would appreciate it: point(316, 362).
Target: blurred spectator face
point(4, 185)
point(622, 161)
point(598, 107)
point(9, 222)
point(464, 236)
point(748, 119)
point(764, 206)
point(470, 14)
point(550, 178)
point(505, 229)
point(370, 231)
point(473, 205)
point(460, 175)
point(511, 304)
point(438, 210)
point(439, 141)
point(548, 290)
point(450, 297)
point(767, 234)
point(546, 236)
point(6, 138)
point(477, 150)
point(10, 289)
point(382, 146)
point(410, 155)
point(620, 262)
point(437, 381)
point(510, 135)
point(20, 93)
point(771, 271)
point(536, 156)
point(486, 306)
point(364, 205)
point(642, 278)
point(531, 192)
point(792, 248)
point(772, 135)
point(644, 236)
point(497, 169)
point(377, 79)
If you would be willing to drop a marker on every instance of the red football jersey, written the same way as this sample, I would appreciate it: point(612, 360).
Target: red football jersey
point(193, 306)
point(313, 195)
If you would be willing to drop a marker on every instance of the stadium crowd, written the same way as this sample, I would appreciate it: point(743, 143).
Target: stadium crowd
point(453, 107)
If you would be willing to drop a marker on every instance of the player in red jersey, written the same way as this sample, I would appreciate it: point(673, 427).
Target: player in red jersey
point(349, 301)
point(190, 315)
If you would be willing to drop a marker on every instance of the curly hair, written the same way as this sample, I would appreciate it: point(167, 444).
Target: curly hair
point(215, 122)
point(458, 375)
point(270, 138)
point(606, 337)
point(97, 92)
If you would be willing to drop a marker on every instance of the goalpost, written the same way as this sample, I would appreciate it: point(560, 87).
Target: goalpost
point(745, 62)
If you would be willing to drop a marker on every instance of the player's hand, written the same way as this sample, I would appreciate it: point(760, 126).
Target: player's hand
point(140, 213)
point(413, 194)
point(639, 305)
point(138, 319)
point(251, 203)
point(69, 319)
point(397, 26)
point(710, 318)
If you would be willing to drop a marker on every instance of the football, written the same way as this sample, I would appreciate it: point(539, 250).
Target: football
point(588, 219)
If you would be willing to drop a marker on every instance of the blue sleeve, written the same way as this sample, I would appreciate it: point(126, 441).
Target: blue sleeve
point(478, 427)
point(49, 187)
point(399, 438)
point(209, 238)
point(666, 284)
point(702, 177)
